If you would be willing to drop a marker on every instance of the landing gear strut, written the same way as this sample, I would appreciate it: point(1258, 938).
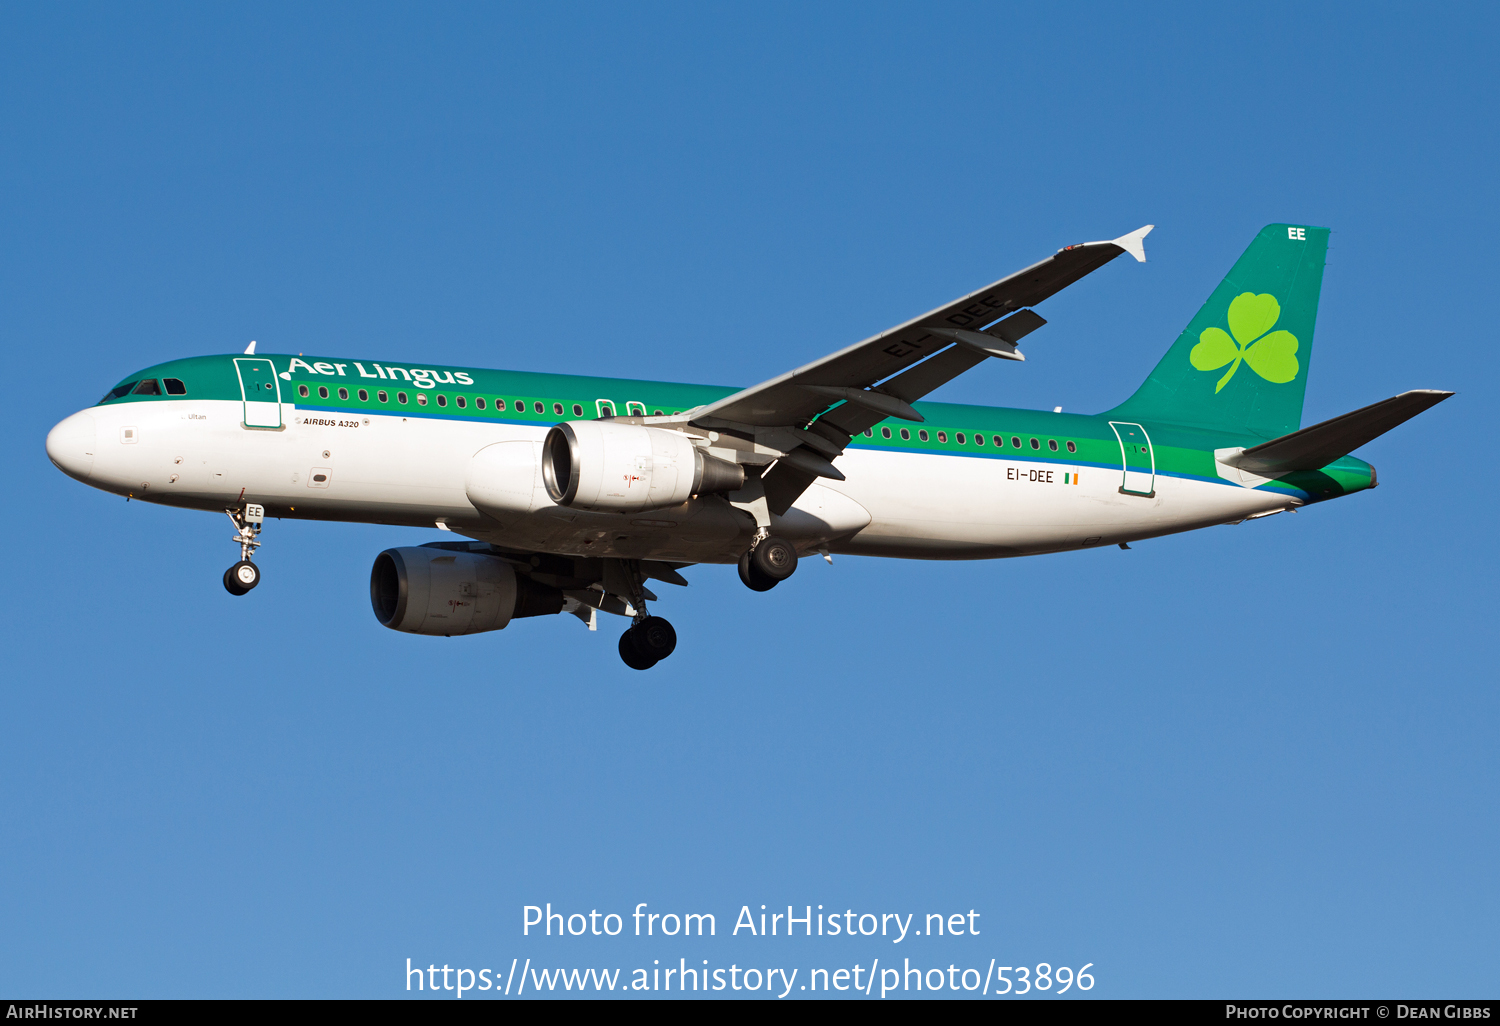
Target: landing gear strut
point(245, 575)
point(650, 639)
point(769, 561)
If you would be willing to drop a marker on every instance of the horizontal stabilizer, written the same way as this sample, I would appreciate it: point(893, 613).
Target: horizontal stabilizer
point(1315, 447)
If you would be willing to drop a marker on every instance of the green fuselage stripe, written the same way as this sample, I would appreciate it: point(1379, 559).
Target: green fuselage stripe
point(1180, 451)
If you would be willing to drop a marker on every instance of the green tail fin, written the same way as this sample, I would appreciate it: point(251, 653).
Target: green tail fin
point(1241, 365)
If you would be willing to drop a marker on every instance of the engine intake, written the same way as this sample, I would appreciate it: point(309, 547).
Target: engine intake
point(626, 468)
point(439, 592)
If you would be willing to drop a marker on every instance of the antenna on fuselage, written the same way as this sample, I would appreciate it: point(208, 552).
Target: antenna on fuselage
point(250, 349)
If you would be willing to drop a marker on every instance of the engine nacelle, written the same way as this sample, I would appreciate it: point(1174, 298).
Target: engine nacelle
point(441, 592)
point(627, 468)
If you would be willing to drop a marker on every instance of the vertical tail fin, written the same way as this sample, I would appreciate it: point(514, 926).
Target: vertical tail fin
point(1241, 365)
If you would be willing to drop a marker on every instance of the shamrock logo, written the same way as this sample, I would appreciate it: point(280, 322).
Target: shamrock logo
point(1273, 356)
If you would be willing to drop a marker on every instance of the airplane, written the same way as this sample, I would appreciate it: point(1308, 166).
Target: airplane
point(567, 494)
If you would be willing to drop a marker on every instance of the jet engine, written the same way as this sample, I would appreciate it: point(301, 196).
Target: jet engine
point(441, 592)
point(626, 468)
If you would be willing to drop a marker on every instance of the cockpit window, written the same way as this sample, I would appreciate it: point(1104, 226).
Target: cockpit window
point(147, 387)
point(174, 386)
point(118, 391)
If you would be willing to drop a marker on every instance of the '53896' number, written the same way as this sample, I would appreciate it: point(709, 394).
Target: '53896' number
point(1043, 978)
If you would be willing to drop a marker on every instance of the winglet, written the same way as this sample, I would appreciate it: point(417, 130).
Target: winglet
point(1135, 242)
point(250, 349)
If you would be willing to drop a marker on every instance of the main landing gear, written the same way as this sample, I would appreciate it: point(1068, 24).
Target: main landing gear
point(647, 642)
point(244, 575)
point(650, 639)
point(769, 561)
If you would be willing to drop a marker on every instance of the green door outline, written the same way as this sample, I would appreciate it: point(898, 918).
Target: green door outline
point(1138, 459)
point(261, 391)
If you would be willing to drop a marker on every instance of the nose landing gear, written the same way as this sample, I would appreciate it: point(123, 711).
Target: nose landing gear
point(245, 575)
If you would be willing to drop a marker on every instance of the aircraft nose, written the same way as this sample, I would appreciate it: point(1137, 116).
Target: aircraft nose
point(71, 445)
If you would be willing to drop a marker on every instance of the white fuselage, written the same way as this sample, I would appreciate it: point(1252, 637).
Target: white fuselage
point(413, 471)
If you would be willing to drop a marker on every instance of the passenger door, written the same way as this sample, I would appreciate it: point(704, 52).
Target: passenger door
point(261, 391)
point(1138, 458)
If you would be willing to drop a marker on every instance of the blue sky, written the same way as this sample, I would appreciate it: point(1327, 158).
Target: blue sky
point(1249, 761)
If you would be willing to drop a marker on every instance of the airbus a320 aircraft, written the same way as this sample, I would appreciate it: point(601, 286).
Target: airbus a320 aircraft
point(577, 490)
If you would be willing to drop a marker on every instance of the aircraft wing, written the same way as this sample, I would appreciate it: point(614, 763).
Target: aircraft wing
point(787, 399)
point(810, 414)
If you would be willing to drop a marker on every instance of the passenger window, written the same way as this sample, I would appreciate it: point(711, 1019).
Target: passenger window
point(147, 387)
point(302, 391)
point(322, 391)
point(540, 407)
point(557, 409)
point(401, 397)
point(656, 414)
point(1052, 444)
point(885, 432)
point(442, 400)
point(999, 441)
point(959, 437)
point(479, 402)
point(869, 433)
point(577, 410)
point(343, 393)
point(905, 435)
point(922, 435)
point(1015, 443)
point(174, 386)
point(978, 439)
point(461, 402)
point(500, 405)
point(364, 396)
point(1072, 447)
point(943, 436)
point(421, 399)
point(1035, 444)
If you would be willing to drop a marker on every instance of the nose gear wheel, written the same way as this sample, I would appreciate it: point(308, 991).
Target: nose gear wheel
point(241, 577)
